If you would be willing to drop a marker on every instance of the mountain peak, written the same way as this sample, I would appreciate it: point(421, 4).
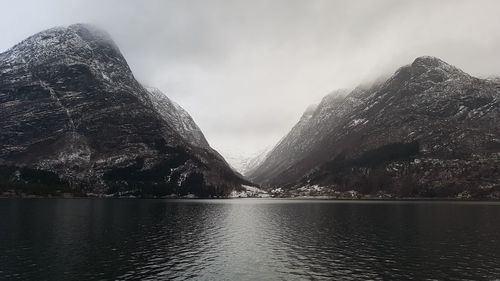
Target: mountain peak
point(92, 34)
point(78, 45)
point(428, 61)
point(88, 27)
point(434, 67)
point(426, 70)
point(75, 41)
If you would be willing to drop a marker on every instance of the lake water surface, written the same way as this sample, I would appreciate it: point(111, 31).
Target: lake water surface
point(247, 239)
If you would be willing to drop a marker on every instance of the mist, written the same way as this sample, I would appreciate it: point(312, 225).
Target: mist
point(246, 70)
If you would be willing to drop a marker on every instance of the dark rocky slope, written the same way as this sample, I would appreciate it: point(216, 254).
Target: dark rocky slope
point(71, 109)
point(429, 130)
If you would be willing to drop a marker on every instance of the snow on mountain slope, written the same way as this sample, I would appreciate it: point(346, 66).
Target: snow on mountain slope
point(70, 105)
point(427, 109)
point(245, 164)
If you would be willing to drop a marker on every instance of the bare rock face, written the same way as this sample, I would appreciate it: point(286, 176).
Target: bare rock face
point(70, 105)
point(430, 125)
point(179, 118)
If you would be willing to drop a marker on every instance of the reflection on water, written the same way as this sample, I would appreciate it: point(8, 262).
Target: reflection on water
point(92, 239)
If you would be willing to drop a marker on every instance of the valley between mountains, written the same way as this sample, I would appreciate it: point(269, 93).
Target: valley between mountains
point(75, 121)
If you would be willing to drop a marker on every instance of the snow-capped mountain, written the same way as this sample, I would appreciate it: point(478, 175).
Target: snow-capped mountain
point(70, 106)
point(430, 123)
point(245, 164)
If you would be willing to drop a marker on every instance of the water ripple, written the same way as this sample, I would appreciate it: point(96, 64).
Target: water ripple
point(247, 240)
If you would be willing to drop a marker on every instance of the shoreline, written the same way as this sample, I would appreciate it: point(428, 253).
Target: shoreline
point(306, 198)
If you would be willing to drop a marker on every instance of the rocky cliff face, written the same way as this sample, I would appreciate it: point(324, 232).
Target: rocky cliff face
point(70, 105)
point(430, 125)
point(174, 114)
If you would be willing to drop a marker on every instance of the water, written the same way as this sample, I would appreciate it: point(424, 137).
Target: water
point(247, 239)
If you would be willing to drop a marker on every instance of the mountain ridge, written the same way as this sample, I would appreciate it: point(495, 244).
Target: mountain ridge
point(70, 105)
point(448, 112)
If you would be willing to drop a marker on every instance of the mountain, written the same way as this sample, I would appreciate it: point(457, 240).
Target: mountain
point(428, 130)
point(179, 118)
point(245, 164)
point(73, 117)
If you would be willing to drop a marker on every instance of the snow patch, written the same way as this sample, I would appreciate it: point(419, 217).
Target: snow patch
point(357, 122)
point(250, 191)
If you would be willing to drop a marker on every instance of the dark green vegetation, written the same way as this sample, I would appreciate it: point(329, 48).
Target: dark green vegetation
point(395, 169)
point(163, 179)
point(374, 158)
point(24, 180)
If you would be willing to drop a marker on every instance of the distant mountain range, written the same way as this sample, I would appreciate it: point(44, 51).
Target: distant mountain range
point(74, 119)
point(429, 130)
point(245, 164)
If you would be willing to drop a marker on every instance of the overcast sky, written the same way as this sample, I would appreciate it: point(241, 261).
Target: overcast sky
point(246, 70)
